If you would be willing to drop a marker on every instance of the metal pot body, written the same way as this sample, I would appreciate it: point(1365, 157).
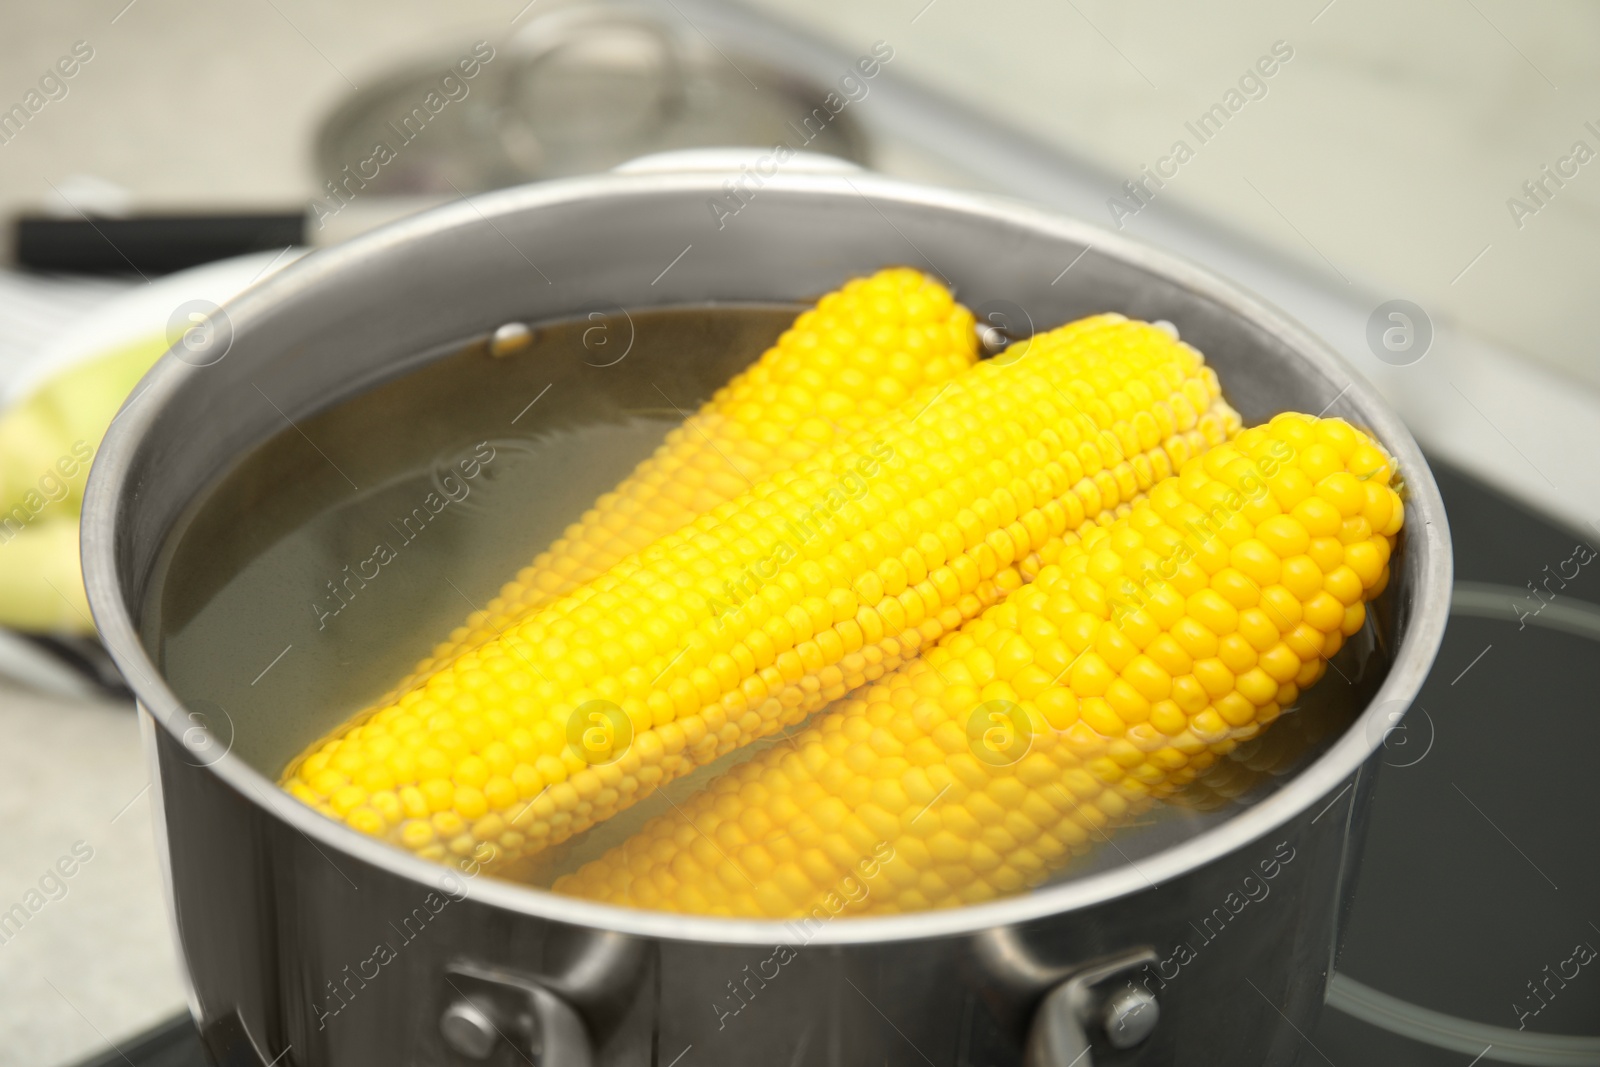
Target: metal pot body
point(292, 946)
point(309, 942)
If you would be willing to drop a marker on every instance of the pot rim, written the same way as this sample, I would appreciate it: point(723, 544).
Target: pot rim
point(108, 494)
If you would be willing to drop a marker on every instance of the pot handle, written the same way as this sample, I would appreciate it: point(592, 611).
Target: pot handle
point(1076, 1011)
point(491, 1007)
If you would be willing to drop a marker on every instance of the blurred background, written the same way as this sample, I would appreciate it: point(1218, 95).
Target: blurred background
point(1416, 182)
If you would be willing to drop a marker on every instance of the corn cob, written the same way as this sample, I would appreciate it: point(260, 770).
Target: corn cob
point(1145, 651)
point(1270, 754)
point(844, 363)
point(813, 582)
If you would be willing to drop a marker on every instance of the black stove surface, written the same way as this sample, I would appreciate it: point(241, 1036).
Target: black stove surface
point(1475, 926)
point(1477, 918)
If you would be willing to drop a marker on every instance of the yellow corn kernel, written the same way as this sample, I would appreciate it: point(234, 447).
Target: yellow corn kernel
point(1021, 784)
point(1032, 446)
point(1272, 753)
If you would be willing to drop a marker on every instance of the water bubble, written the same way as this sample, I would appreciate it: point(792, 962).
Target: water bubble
point(510, 339)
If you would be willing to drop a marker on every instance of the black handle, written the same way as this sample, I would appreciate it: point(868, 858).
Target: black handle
point(150, 244)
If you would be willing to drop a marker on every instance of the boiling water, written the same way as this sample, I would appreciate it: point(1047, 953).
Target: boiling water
point(337, 554)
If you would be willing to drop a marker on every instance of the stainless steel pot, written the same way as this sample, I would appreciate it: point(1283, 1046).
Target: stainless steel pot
point(280, 911)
